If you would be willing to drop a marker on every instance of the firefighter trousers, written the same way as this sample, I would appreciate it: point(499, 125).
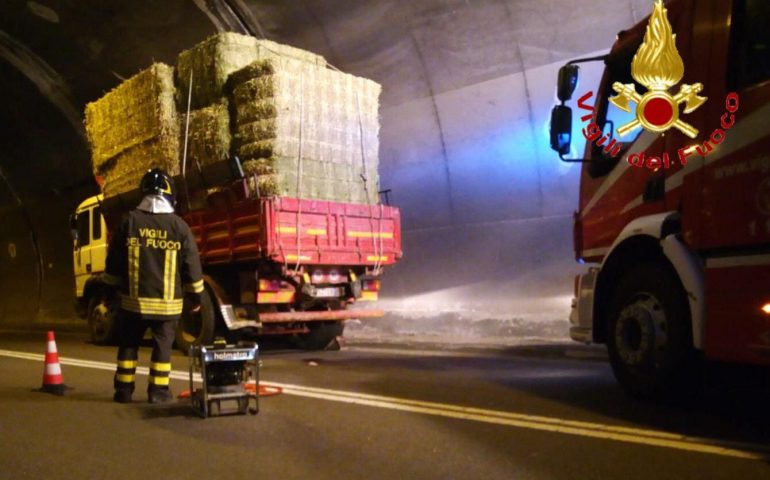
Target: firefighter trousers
point(130, 329)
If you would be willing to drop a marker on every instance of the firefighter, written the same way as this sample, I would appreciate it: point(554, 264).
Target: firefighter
point(153, 260)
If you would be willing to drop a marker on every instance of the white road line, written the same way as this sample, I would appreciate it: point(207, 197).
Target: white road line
point(532, 422)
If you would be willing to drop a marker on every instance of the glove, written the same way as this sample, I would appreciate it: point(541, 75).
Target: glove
point(193, 301)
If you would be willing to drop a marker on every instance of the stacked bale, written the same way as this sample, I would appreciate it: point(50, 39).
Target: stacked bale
point(133, 128)
point(208, 134)
point(212, 61)
point(301, 128)
point(287, 110)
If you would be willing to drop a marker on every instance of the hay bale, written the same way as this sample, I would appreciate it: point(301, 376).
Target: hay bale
point(209, 134)
point(135, 126)
point(213, 60)
point(269, 49)
point(285, 108)
point(327, 109)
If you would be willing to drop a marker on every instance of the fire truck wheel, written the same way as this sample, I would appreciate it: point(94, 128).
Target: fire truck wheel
point(101, 320)
point(319, 337)
point(197, 328)
point(649, 337)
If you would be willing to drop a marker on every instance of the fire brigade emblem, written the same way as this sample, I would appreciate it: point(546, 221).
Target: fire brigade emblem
point(658, 66)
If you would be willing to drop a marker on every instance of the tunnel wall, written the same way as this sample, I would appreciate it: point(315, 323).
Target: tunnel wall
point(488, 231)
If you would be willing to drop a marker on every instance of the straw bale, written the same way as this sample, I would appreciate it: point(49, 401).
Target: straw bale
point(214, 59)
point(256, 110)
point(211, 62)
point(270, 49)
point(285, 108)
point(254, 70)
point(209, 136)
point(140, 111)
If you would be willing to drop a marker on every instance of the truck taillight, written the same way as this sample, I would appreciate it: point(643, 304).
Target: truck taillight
point(370, 285)
point(269, 285)
point(318, 276)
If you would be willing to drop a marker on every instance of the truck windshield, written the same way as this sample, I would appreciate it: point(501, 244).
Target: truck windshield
point(610, 117)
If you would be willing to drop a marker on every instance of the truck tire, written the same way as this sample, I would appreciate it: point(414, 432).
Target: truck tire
point(649, 335)
point(197, 328)
point(319, 337)
point(101, 319)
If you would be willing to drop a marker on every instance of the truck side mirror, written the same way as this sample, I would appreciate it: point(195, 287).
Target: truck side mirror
point(567, 82)
point(561, 129)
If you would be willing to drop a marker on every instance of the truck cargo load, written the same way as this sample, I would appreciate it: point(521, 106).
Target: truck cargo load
point(133, 128)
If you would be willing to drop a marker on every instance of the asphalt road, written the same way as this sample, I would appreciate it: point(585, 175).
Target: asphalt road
point(547, 412)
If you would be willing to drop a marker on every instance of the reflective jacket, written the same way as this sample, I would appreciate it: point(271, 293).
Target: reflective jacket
point(153, 259)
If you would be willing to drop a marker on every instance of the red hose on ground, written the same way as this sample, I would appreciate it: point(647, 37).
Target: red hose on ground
point(265, 390)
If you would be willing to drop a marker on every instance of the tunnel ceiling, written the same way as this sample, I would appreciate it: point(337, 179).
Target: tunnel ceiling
point(60, 54)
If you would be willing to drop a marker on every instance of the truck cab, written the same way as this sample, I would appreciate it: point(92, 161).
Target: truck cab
point(675, 223)
point(89, 253)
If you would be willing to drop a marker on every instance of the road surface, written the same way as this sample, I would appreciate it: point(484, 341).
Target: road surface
point(380, 412)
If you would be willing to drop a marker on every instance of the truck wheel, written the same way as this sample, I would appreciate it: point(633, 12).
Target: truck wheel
point(649, 337)
point(197, 328)
point(101, 320)
point(321, 334)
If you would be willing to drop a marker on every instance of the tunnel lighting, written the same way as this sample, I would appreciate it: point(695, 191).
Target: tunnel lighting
point(766, 308)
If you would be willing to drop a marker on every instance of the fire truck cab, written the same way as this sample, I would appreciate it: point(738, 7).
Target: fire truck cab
point(675, 227)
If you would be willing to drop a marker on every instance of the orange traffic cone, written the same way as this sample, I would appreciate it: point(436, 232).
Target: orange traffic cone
point(53, 381)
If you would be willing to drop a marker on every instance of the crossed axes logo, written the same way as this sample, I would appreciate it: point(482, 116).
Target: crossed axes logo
point(658, 66)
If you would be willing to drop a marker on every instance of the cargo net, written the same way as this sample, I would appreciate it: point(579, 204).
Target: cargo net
point(289, 112)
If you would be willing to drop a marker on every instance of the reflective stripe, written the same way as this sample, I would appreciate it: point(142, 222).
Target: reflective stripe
point(133, 272)
point(156, 306)
point(161, 367)
point(196, 287)
point(126, 363)
point(169, 275)
point(124, 378)
point(110, 279)
point(370, 235)
point(159, 380)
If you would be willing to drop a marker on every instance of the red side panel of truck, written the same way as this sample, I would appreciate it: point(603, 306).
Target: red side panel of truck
point(290, 231)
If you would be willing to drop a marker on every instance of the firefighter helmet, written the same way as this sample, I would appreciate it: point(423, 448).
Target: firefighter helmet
point(158, 182)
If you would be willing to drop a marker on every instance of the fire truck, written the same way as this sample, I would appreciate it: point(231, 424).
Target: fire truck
point(272, 265)
point(674, 222)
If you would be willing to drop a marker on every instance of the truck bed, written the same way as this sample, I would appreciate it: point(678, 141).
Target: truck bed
point(329, 233)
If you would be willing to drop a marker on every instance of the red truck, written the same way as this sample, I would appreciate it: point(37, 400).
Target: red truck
point(674, 209)
point(275, 266)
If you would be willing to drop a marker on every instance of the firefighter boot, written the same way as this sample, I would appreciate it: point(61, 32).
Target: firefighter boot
point(123, 391)
point(159, 394)
point(122, 396)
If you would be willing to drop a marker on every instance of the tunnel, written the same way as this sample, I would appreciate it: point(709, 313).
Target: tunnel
point(467, 87)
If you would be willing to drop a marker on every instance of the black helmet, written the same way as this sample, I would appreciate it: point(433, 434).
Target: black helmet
point(158, 182)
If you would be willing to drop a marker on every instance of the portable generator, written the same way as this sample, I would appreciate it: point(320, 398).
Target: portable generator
point(224, 371)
